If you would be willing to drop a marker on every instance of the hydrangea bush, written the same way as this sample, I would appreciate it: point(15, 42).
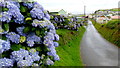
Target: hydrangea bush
point(28, 37)
point(65, 22)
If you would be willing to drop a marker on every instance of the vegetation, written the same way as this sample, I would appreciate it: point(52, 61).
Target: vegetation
point(69, 47)
point(116, 9)
point(113, 24)
point(110, 31)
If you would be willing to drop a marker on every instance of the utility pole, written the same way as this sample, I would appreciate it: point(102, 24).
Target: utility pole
point(84, 10)
point(84, 13)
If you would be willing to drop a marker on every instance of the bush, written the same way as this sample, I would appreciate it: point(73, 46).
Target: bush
point(113, 24)
point(112, 35)
point(63, 22)
point(28, 37)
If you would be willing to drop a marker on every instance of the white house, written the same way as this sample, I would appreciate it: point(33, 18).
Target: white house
point(115, 17)
point(61, 12)
point(102, 19)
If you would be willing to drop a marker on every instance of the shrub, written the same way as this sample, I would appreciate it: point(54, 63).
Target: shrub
point(113, 24)
point(63, 22)
point(28, 37)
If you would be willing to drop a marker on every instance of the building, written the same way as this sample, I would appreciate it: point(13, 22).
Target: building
point(61, 12)
point(115, 17)
point(102, 19)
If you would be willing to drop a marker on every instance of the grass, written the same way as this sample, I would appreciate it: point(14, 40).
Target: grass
point(116, 9)
point(69, 47)
point(112, 35)
point(113, 24)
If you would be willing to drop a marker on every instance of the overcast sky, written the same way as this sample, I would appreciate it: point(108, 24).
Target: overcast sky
point(76, 6)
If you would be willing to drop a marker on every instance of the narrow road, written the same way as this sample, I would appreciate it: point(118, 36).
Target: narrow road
point(96, 51)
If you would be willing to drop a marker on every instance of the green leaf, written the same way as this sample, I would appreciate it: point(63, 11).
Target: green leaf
point(6, 27)
point(12, 21)
point(28, 19)
point(37, 32)
point(16, 47)
point(26, 30)
point(28, 14)
point(33, 29)
point(4, 38)
point(38, 49)
point(23, 47)
point(28, 48)
point(5, 9)
point(23, 9)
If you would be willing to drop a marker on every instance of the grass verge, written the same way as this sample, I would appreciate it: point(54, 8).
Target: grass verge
point(69, 47)
point(112, 35)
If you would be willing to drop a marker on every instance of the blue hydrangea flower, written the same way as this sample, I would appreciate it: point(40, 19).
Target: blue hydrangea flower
point(49, 62)
point(15, 12)
point(20, 31)
point(4, 46)
point(19, 18)
point(19, 55)
point(29, 58)
point(12, 36)
point(37, 13)
point(56, 37)
point(35, 57)
point(40, 24)
point(33, 51)
point(38, 6)
point(52, 31)
point(46, 15)
point(30, 43)
point(48, 43)
point(56, 44)
point(49, 36)
point(5, 17)
point(29, 5)
point(49, 25)
point(52, 51)
point(56, 57)
point(32, 39)
point(56, 19)
point(16, 3)
point(2, 4)
point(6, 62)
point(35, 64)
point(22, 63)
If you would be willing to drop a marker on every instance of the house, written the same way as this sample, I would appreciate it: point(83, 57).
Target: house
point(61, 12)
point(102, 19)
point(115, 17)
point(90, 16)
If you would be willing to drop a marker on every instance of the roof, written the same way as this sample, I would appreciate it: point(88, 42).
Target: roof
point(115, 17)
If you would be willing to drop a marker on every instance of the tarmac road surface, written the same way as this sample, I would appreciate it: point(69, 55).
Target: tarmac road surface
point(96, 51)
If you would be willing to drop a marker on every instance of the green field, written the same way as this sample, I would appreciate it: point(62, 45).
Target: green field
point(116, 9)
point(69, 47)
point(110, 31)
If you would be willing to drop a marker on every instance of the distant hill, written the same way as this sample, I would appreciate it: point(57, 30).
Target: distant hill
point(113, 9)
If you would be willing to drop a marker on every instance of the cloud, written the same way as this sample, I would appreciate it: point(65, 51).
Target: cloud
point(78, 5)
